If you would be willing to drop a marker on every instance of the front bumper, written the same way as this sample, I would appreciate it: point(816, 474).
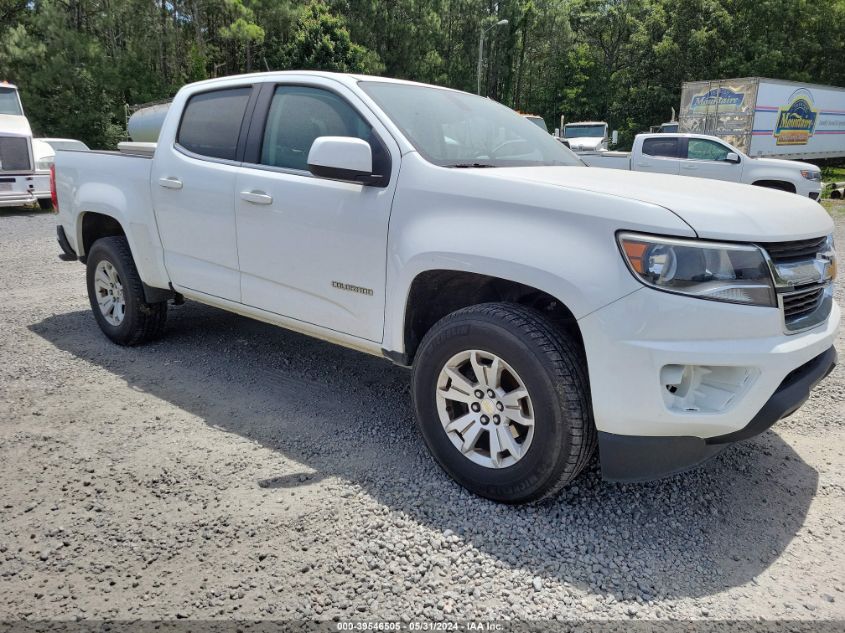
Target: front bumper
point(17, 190)
point(628, 458)
point(640, 346)
point(811, 189)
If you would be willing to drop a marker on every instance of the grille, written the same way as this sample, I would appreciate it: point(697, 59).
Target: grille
point(794, 251)
point(801, 303)
point(14, 154)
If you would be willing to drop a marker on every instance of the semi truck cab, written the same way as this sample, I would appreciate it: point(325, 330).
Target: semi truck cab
point(18, 182)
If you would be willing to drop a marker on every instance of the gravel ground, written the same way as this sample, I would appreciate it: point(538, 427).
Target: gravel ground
point(237, 470)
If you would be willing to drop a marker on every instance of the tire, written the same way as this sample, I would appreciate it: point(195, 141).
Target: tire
point(534, 354)
point(46, 204)
point(141, 321)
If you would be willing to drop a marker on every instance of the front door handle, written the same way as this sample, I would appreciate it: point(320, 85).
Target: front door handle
point(256, 197)
point(689, 167)
point(170, 183)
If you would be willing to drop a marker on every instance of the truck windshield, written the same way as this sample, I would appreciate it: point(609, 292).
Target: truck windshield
point(9, 103)
point(456, 129)
point(582, 131)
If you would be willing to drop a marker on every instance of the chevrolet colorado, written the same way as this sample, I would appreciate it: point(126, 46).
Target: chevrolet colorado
point(546, 308)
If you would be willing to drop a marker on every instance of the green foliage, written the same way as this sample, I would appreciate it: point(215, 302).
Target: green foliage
point(320, 41)
point(79, 62)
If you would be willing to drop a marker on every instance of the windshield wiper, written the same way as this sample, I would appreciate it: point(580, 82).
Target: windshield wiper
point(468, 165)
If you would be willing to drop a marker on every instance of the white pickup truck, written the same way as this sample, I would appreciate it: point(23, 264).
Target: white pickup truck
point(702, 156)
point(545, 307)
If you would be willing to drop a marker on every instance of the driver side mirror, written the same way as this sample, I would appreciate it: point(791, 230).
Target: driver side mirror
point(342, 158)
point(732, 157)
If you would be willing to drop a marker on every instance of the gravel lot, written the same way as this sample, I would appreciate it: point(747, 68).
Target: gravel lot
point(238, 470)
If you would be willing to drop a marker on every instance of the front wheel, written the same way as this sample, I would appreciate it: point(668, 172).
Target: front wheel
point(116, 294)
point(501, 398)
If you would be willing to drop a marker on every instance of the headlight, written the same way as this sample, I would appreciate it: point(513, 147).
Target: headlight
point(829, 254)
point(707, 270)
point(811, 174)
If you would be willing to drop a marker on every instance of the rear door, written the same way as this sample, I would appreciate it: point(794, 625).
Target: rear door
point(707, 158)
point(659, 155)
point(193, 189)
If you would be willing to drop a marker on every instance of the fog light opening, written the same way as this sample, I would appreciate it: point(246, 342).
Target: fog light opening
point(704, 388)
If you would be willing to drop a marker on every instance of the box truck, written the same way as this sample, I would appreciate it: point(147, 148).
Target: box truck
point(767, 117)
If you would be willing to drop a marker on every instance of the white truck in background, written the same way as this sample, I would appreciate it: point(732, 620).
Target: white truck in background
point(669, 127)
point(24, 174)
point(588, 136)
point(767, 117)
point(702, 156)
point(545, 307)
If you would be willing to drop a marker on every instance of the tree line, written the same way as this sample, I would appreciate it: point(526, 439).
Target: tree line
point(79, 63)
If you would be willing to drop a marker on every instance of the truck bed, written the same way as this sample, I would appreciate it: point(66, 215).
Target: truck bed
point(112, 183)
point(607, 160)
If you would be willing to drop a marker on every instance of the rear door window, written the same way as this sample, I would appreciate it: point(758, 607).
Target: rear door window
point(661, 147)
point(211, 122)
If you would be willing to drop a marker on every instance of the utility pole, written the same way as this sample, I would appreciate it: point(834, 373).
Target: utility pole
point(484, 32)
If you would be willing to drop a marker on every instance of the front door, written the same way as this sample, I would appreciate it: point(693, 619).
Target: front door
point(706, 158)
point(310, 248)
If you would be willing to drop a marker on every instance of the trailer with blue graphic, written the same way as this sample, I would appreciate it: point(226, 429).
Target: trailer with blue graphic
point(767, 117)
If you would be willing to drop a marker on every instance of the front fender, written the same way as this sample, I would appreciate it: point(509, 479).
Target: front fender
point(561, 241)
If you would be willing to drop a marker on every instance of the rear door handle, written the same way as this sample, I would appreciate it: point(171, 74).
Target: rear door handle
point(170, 183)
point(690, 167)
point(256, 197)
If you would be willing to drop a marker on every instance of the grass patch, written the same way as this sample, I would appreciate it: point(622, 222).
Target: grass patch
point(834, 207)
point(833, 174)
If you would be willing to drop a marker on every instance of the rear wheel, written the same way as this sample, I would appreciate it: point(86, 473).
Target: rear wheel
point(502, 401)
point(117, 294)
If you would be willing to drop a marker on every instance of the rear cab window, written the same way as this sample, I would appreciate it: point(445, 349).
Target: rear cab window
point(661, 147)
point(211, 122)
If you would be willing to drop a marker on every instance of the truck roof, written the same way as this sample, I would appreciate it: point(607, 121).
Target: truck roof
point(586, 123)
point(346, 78)
point(6, 84)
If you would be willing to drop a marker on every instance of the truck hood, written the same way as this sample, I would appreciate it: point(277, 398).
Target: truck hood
point(14, 125)
point(714, 209)
point(585, 143)
point(787, 164)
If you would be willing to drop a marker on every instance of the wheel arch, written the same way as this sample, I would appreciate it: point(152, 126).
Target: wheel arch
point(95, 225)
point(781, 185)
point(436, 292)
